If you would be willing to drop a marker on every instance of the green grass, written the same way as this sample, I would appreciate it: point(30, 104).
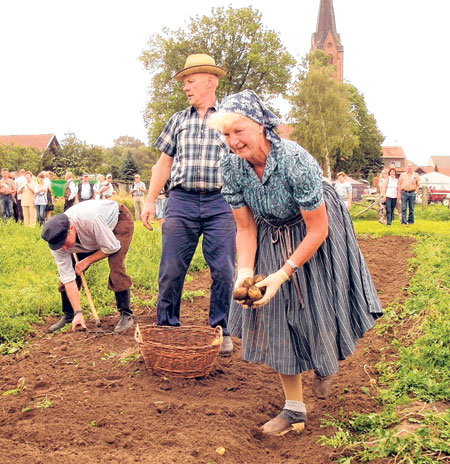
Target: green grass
point(28, 279)
point(419, 374)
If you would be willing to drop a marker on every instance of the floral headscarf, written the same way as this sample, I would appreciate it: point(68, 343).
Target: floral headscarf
point(248, 104)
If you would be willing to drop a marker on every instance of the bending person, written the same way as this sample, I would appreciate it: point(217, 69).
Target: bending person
point(292, 227)
point(94, 230)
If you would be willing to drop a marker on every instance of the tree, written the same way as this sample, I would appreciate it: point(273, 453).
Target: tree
point(366, 158)
point(15, 157)
point(76, 156)
point(253, 56)
point(321, 113)
point(144, 157)
point(129, 168)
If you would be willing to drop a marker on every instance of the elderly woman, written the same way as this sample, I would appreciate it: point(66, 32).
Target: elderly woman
point(292, 227)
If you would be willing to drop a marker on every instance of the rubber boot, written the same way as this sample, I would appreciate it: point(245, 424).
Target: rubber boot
point(67, 314)
point(126, 315)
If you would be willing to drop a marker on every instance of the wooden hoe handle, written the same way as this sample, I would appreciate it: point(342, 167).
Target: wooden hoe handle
point(88, 295)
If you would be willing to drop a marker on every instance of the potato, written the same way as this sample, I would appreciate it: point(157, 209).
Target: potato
point(258, 278)
point(240, 293)
point(248, 282)
point(248, 302)
point(254, 293)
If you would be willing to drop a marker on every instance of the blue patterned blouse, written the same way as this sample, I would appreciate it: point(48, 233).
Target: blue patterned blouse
point(292, 181)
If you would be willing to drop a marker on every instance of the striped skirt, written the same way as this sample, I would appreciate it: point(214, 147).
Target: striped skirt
point(316, 318)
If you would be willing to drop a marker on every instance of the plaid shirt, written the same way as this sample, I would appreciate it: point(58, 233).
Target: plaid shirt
point(195, 149)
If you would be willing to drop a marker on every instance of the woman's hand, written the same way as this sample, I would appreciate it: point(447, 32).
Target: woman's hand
point(242, 274)
point(272, 283)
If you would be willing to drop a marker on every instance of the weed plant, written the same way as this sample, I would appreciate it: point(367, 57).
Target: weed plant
point(413, 424)
point(29, 279)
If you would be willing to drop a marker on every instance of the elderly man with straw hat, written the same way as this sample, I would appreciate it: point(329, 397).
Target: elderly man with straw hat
point(191, 150)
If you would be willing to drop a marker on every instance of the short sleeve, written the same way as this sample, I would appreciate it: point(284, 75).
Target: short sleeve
point(305, 178)
point(166, 141)
point(231, 187)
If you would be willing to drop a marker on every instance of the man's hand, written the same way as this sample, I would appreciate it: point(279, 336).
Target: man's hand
point(78, 322)
point(148, 215)
point(272, 283)
point(81, 266)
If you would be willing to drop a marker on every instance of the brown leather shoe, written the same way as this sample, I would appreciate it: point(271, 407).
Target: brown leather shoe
point(279, 426)
point(321, 386)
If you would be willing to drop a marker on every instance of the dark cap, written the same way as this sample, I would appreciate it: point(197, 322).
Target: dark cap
point(55, 231)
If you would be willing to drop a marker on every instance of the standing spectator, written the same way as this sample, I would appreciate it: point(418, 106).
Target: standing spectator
point(70, 191)
point(85, 189)
point(108, 190)
point(344, 189)
point(49, 206)
point(13, 176)
point(382, 202)
point(7, 191)
point(191, 151)
point(26, 190)
point(20, 179)
point(40, 198)
point(390, 193)
point(161, 203)
point(98, 186)
point(137, 192)
point(408, 188)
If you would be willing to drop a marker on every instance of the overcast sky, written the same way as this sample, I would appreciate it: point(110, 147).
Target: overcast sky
point(72, 66)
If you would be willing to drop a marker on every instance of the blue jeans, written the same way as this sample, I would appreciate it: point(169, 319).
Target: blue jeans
point(408, 201)
point(40, 213)
point(188, 216)
point(7, 206)
point(390, 208)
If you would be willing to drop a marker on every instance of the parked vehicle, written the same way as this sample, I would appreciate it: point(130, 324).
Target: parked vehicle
point(436, 196)
point(439, 197)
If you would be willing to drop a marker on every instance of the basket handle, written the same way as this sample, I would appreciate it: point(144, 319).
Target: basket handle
point(219, 339)
point(137, 335)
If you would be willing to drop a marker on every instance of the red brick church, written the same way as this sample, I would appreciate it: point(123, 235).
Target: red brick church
point(326, 38)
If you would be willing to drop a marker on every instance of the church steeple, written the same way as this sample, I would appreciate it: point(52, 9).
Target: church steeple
point(327, 39)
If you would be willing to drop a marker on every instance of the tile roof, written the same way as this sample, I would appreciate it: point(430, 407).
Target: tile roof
point(393, 152)
point(440, 161)
point(40, 141)
point(425, 169)
point(445, 171)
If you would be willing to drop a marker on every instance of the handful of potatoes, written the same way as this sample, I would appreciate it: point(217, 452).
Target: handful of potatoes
point(248, 292)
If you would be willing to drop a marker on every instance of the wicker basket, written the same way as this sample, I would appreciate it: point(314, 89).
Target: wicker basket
point(187, 352)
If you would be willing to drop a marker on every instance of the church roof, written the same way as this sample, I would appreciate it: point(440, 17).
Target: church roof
point(326, 23)
point(40, 141)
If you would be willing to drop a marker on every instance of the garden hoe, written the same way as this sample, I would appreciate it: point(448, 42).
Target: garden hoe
point(91, 303)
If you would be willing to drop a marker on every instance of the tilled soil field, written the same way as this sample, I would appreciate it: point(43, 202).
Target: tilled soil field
point(87, 400)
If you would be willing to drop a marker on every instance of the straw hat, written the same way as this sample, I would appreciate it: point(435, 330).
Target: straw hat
point(199, 63)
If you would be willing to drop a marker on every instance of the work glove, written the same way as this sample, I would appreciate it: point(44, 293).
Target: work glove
point(242, 274)
point(272, 283)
